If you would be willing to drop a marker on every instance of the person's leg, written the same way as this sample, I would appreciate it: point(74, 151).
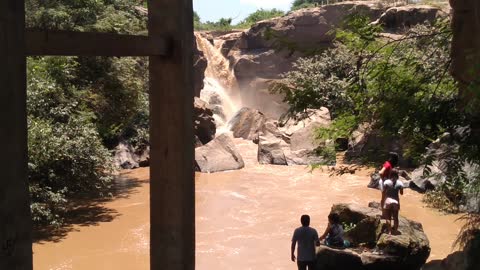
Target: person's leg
point(395, 219)
point(388, 218)
point(302, 265)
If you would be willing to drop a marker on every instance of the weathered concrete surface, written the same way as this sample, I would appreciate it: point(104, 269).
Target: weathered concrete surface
point(15, 222)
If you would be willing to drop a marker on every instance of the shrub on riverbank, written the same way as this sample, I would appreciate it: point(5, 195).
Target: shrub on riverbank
point(78, 107)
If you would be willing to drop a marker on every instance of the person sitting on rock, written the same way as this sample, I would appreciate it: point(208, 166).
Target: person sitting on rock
point(391, 200)
point(333, 234)
point(307, 238)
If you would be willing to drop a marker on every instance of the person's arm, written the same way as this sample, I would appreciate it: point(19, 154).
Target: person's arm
point(293, 250)
point(382, 172)
point(317, 240)
point(327, 231)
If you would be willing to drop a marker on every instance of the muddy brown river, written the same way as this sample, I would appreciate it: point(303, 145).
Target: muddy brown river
point(244, 219)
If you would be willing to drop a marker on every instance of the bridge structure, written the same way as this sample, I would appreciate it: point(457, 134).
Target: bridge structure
point(172, 198)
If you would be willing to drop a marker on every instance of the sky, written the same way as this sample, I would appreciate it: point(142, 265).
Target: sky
point(212, 10)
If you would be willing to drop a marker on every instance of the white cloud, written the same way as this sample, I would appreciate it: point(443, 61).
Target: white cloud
point(280, 4)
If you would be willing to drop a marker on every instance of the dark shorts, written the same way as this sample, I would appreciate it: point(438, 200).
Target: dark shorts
point(304, 265)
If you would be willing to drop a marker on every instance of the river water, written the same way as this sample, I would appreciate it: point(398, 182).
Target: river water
point(244, 219)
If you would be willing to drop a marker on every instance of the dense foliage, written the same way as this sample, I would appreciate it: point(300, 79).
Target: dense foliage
point(78, 107)
point(401, 86)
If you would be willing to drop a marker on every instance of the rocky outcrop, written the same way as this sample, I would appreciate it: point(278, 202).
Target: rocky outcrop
point(218, 155)
point(271, 150)
point(247, 124)
point(127, 156)
point(203, 122)
point(465, 43)
point(408, 250)
point(404, 17)
point(370, 143)
point(226, 42)
point(199, 66)
point(294, 143)
point(260, 52)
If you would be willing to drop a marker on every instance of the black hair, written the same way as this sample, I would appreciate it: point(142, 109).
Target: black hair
point(305, 220)
point(393, 158)
point(394, 174)
point(334, 218)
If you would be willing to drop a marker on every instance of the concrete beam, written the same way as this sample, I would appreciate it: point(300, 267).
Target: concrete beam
point(67, 43)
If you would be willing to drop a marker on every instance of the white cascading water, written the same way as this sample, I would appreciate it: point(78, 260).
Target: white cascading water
point(220, 84)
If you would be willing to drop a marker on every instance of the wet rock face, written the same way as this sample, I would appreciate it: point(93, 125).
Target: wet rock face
point(199, 66)
point(203, 122)
point(247, 123)
point(218, 155)
point(466, 41)
point(408, 250)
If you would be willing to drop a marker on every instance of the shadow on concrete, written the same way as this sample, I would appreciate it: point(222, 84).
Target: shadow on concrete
point(89, 210)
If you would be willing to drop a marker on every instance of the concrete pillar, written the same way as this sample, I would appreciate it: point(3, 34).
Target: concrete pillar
point(172, 189)
point(15, 223)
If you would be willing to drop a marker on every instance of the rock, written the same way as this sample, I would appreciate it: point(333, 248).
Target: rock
point(465, 45)
point(304, 157)
point(375, 181)
point(372, 144)
point(125, 157)
point(338, 259)
point(129, 157)
point(256, 55)
point(247, 124)
point(375, 205)
point(307, 27)
point(218, 155)
point(320, 118)
point(199, 66)
point(411, 244)
point(270, 151)
point(408, 250)
point(142, 156)
point(399, 18)
point(203, 121)
point(226, 42)
point(341, 144)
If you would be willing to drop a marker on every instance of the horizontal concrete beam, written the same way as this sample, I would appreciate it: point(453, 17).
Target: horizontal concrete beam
point(67, 43)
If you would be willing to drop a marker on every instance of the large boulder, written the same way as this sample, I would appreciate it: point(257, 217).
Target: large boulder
point(203, 122)
point(404, 17)
point(218, 155)
point(407, 250)
point(271, 150)
point(126, 156)
point(247, 124)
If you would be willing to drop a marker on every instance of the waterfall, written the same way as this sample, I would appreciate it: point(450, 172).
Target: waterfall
point(220, 90)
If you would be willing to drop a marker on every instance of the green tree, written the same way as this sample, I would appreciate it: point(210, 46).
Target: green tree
point(260, 15)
